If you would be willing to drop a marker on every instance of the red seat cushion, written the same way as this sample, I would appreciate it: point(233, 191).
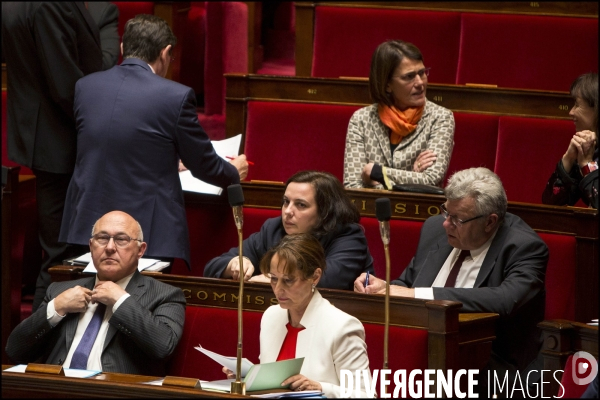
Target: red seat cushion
point(216, 330)
point(475, 137)
point(404, 238)
point(283, 138)
point(527, 152)
point(522, 51)
point(346, 37)
point(560, 276)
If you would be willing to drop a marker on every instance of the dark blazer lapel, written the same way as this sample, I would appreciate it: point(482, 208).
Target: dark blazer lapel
point(492, 255)
point(89, 20)
point(136, 288)
point(430, 267)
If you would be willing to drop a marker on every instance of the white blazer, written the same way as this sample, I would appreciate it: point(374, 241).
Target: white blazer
point(331, 341)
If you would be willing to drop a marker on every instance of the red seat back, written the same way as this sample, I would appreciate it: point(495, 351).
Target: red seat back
point(560, 276)
point(475, 137)
point(404, 238)
point(524, 51)
point(216, 330)
point(283, 138)
point(527, 152)
point(346, 37)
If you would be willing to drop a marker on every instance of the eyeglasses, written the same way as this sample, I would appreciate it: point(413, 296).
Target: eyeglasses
point(408, 78)
point(455, 220)
point(121, 240)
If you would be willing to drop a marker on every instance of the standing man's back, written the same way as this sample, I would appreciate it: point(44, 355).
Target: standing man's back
point(47, 47)
point(133, 127)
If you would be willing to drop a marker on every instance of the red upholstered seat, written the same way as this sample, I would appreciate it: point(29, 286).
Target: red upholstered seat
point(560, 276)
point(404, 238)
point(475, 137)
point(192, 41)
point(226, 50)
point(346, 37)
point(527, 152)
point(569, 389)
point(214, 329)
point(283, 138)
point(529, 52)
point(217, 233)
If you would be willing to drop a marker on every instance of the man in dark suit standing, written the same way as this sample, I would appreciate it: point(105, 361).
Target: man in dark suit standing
point(47, 47)
point(133, 127)
point(141, 319)
point(489, 260)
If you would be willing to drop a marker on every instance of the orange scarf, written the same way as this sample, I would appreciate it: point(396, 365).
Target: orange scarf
point(402, 123)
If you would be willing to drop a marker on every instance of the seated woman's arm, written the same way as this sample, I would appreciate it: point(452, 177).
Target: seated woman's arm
point(355, 156)
point(440, 140)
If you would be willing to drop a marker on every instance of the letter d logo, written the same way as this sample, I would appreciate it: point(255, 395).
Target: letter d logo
point(584, 368)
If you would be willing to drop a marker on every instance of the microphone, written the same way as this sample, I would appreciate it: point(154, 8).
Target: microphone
point(236, 200)
point(383, 211)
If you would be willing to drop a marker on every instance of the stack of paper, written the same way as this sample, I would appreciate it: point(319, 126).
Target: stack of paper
point(148, 264)
point(224, 148)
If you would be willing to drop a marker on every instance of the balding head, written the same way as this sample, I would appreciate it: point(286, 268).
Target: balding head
point(116, 245)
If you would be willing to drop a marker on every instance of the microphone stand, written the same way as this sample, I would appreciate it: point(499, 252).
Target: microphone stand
point(236, 198)
point(384, 212)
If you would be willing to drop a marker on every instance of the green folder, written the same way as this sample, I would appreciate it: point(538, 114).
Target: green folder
point(270, 375)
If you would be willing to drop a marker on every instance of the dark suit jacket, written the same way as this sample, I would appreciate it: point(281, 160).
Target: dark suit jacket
point(346, 253)
point(132, 128)
point(106, 15)
point(143, 332)
point(47, 46)
point(510, 283)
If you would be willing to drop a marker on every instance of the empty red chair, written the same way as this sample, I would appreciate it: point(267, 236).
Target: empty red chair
point(524, 51)
point(346, 37)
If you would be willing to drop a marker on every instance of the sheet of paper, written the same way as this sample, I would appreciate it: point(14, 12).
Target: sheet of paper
point(224, 148)
point(287, 395)
point(228, 362)
point(69, 372)
point(223, 385)
point(143, 263)
point(270, 375)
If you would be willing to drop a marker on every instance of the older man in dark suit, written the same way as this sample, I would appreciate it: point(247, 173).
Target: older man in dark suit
point(489, 260)
point(139, 322)
point(47, 47)
point(133, 127)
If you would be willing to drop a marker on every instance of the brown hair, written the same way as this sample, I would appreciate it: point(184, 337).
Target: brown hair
point(301, 253)
point(145, 36)
point(586, 87)
point(384, 62)
point(334, 206)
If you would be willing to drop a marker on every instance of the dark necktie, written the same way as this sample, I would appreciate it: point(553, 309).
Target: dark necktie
point(451, 281)
point(82, 352)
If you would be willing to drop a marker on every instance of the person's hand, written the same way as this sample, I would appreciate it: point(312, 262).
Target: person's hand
point(570, 156)
point(73, 300)
point(300, 382)
point(260, 278)
point(374, 286)
point(241, 165)
point(229, 373)
point(401, 291)
point(107, 292)
point(182, 167)
point(366, 175)
point(233, 269)
point(424, 161)
point(586, 141)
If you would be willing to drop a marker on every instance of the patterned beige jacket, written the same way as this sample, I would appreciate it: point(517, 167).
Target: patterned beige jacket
point(368, 141)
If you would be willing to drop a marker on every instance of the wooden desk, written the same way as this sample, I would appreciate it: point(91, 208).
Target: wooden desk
point(454, 340)
point(34, 385)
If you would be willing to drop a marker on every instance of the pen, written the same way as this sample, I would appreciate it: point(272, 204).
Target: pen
point(367, 279)
point(249, 162)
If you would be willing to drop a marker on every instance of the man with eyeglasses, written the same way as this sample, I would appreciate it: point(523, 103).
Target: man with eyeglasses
point(489, 260)
point(118, 321)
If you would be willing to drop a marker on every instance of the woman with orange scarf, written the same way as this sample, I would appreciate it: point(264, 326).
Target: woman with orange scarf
point(402, 138)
